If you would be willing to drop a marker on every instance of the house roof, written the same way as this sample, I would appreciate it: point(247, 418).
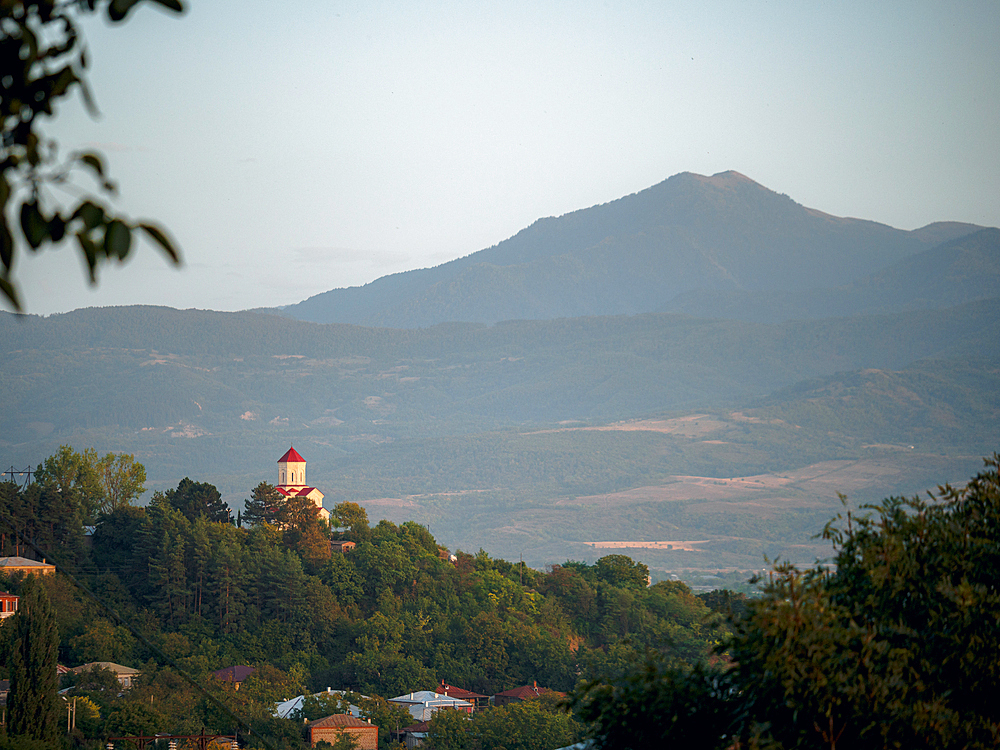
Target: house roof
point(5, 595)
point(429, 697)
point(525, 691)
point(118, 669)
point(22, 562)
point(422, 726)
point(291, 457)
point(457, 692)
point(340, 720)
point(235, 673)
point(294, 489)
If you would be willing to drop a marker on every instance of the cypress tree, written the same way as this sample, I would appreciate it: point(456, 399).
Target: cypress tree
point(32, 704)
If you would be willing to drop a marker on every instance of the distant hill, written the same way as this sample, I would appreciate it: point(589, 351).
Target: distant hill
point(514, 436)
point(955, 272)
point(720, 234)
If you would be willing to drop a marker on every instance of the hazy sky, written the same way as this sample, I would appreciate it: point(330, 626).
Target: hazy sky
point(298, 146)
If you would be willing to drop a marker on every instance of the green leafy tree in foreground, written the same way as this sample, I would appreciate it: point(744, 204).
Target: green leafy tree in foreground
point(32, 704)
point(123, 480)
point(43, 58)
point(899, 647)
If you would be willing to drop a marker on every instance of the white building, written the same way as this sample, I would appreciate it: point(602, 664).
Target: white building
point(292, 481)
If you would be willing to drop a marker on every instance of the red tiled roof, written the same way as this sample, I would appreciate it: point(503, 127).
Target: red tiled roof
point(292, 456)
point(294, 489)
point(525, 691)
point(456, 692)
point(340, 720)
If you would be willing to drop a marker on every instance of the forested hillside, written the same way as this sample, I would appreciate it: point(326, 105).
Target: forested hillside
point(178, 595)
point(890, 646)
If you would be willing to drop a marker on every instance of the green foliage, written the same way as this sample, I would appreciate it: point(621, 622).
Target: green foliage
point(32, 704)
point(525, 725)
point(265, 505)
point(195, 499)
point(44, 59)
point(894, 647)
point(621, 571)
point(77, 475)
point(123, 480)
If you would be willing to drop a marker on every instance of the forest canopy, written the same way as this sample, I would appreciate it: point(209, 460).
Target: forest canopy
point(893, 644)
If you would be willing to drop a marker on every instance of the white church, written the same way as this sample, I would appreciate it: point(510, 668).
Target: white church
point(292, 481)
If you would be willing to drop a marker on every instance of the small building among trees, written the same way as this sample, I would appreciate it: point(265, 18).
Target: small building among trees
point(8, 605)
point(292, 481)
point(10, 565)
point(331, 728)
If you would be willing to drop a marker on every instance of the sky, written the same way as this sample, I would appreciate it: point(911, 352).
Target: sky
point(299, 146)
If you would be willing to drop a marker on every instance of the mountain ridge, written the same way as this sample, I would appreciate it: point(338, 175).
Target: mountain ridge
point(633, 255)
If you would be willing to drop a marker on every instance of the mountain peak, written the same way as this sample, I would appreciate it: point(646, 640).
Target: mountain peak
point(727, 179)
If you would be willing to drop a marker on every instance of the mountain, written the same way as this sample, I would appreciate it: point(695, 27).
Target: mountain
point(724, 233)
point(955, 272)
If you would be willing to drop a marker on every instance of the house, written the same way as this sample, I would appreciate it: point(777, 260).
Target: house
point(11, 565)
point(287, 709)
point(8, 605)
point(234, 674)
point(341, 545)
point(523, 693)
point(476, 699)
point(424, 703)
point(414, 735)
point(125, 675)
point(292, 481)
point(332, 727)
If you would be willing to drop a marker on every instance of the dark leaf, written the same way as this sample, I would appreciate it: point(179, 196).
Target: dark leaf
point(174, 5)
point(90, 253)
point(118, 9)
point(164, 242)
point(6, 242)
point(57, 228)
point(90, 213)
point(33, 224)
point(93, 161)
point(117, 240)
point(10, 292)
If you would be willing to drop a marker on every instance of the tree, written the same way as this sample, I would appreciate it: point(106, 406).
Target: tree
point(897, 646)
point(32, 704)
point(265, 505)
point(348, 515)
point(195, 499)
point(75, 475)
point(622, 571)
point(123, 480)
point(43, 58)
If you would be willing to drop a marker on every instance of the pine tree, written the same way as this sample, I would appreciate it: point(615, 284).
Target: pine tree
point(32, 704)
point(265, 505)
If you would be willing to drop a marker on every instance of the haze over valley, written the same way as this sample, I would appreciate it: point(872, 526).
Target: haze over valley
point(690, 373)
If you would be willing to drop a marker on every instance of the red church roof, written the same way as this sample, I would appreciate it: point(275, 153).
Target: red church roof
point(293, 489)
point(292, 456)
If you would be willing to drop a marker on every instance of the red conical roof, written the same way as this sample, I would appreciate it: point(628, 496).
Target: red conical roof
point(292, 456)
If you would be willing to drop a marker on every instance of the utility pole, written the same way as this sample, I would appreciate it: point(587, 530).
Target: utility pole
point(12, 472)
